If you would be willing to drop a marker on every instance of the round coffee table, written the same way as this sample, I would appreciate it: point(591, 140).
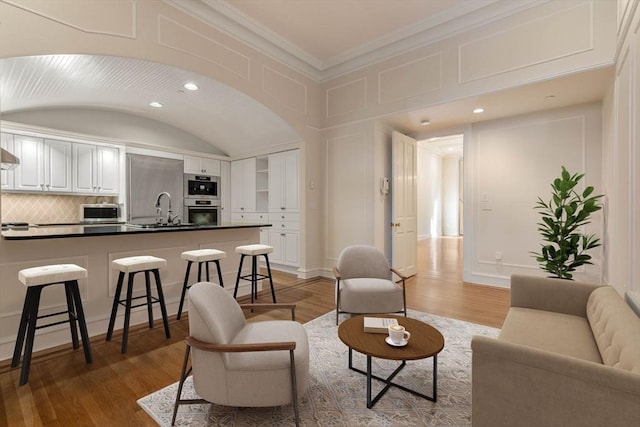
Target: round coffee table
point(426, 341)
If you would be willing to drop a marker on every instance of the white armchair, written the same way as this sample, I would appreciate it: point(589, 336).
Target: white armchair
point(240, 363)
point(364, 283)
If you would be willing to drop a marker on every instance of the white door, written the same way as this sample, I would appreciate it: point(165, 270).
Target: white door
point(290, 161)
point(57, 165)
point(107, 170)
point(29, 175)
point(84, 168)
point(404, 238)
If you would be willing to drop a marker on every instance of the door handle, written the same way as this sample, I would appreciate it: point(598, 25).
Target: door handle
point(395, 224)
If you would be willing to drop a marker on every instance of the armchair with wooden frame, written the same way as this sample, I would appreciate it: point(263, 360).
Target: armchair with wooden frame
point(240, 363)
point(364, 283)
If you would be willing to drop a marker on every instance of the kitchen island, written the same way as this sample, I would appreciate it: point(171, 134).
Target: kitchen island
point(94, 247)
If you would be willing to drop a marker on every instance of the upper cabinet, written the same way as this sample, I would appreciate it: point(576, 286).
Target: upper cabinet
point(6, 177)
point(45, 164)
point(201, 165)
point(95, 169)
point(283, 181)
point(243, 185)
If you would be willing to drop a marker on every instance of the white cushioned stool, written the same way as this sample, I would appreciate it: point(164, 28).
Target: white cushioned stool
point(254, 251)
point(201, 256)
point(36, 279)
point(132, 265)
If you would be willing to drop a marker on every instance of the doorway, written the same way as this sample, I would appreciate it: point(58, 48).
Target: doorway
point(440, 163)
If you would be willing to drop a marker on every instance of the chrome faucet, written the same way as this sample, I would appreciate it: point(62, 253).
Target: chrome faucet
point(170, 216)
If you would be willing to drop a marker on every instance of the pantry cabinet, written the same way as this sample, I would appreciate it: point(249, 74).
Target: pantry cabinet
point(243, 185)
point(283, 181)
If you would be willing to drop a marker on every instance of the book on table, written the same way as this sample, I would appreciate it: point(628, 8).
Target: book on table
point(378, 325)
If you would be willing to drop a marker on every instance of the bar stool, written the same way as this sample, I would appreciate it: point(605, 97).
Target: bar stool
point(254, 251)
point(36, 279)
point(131, 266)
point(201, 256)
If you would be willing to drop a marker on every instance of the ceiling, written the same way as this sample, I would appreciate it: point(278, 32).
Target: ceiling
point(314, 36)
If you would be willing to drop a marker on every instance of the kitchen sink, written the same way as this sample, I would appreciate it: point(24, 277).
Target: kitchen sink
point(183, 224)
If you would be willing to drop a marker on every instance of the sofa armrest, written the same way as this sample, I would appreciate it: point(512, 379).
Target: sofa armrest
point(515, 385)
point(557, 295)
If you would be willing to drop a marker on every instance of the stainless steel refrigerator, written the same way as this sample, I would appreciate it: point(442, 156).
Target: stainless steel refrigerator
point(148, 176)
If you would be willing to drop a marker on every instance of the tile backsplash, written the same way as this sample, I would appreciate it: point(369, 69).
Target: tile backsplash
point(45, 209)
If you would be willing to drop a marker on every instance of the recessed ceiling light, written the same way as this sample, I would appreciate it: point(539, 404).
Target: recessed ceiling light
point(478, 110)
point(155, 104)
point(425, 122)
point(191, 86)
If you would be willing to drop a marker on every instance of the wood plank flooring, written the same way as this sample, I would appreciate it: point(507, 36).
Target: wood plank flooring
point(64, 391)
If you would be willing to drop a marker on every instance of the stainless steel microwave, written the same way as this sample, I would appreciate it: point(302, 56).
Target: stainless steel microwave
point(201, 187)
point(100, 213)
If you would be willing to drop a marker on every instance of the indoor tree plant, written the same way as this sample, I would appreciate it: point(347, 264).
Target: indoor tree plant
point(564, 247)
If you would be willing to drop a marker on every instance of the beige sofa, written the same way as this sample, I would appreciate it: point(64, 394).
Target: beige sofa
point(568, 354)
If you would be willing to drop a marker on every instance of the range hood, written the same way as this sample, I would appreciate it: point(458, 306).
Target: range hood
point(8, 160)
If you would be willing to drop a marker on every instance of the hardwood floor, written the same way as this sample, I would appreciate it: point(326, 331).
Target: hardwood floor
point(64, 391)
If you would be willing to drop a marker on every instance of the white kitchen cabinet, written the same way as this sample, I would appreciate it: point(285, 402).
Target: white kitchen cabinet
point(45, 164)
point(201, 165)
point(95, 169)
point(285, 247)
point(284, 237)
point(225, 190)
point(283, 181)
point(6, 177)
point(243, 185)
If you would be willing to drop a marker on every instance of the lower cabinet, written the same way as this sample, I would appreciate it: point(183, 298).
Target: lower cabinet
point(284, 237)
point(285, 247)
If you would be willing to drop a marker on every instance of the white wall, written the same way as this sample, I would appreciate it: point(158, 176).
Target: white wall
point(451, 196)
point(621, 158)
point(512, 162)
point(429, 192)
point(333, 118)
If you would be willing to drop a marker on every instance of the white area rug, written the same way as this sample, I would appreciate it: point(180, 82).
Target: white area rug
point(336, 395)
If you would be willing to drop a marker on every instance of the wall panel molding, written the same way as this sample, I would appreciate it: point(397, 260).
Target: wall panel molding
point(409, 79)
point(113, 18)
point(531, 43)
point(176, 36)
point(287, 91)
point(346, 98)
point(347, 187)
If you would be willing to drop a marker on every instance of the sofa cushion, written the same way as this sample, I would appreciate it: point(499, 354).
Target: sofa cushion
point(556, 332)
point(616, 329)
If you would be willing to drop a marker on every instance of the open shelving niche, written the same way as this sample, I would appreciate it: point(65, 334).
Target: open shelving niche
point(262, 184)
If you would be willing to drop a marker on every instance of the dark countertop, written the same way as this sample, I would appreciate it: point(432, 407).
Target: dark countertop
point(91, 230)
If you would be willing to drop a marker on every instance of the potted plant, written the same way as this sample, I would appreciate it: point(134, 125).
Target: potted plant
point(564, 247)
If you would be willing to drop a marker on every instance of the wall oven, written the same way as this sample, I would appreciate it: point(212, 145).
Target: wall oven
point(201, 187)
point(202, 211)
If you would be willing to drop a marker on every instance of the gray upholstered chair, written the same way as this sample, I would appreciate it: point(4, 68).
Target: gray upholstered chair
point(240, 363)
point(364, 283)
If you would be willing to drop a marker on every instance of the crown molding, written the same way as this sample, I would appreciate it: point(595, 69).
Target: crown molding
point(453, 21)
